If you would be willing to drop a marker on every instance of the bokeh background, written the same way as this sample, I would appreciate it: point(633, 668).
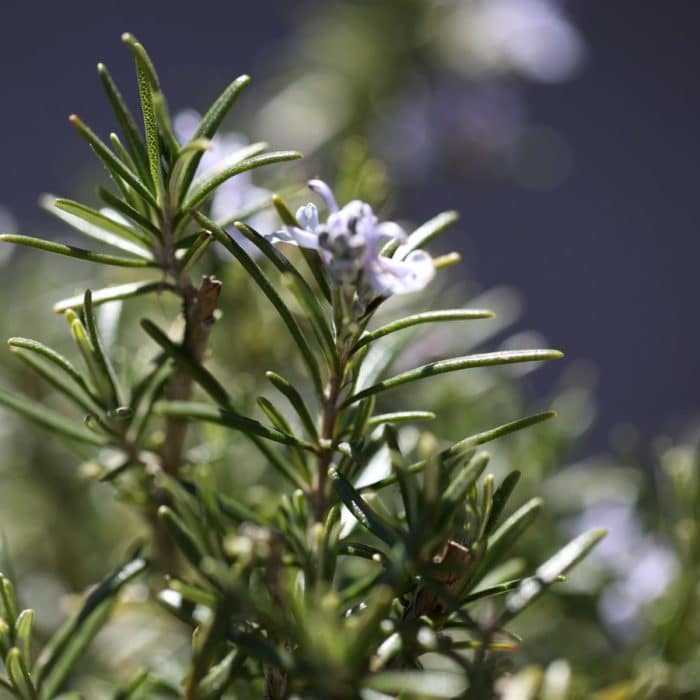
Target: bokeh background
point(592, 215)
point(563, 131)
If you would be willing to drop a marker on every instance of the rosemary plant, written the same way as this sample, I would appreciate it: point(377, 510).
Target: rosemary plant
point(380, 567)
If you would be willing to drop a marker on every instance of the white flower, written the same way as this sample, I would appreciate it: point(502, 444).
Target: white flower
point(349, 243)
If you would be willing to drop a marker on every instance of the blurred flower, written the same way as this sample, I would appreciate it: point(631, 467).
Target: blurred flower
point(532, 38)
point(642, 566)
point(349, 244)
point(237, 194)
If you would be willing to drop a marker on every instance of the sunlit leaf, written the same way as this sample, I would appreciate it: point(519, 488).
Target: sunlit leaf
point(455, 364)
point(73, 252)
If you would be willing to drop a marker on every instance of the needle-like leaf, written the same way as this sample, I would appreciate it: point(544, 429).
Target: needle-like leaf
point(271, 293)
point(49, 419)
point(73, 252)
point(455, 364)
point(426, 317)
point(208, 184)
point(117, 292)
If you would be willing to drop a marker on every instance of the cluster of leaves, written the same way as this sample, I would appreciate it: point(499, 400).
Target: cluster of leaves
point(337, 589)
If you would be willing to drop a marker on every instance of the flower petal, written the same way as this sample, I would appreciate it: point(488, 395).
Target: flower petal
point(388, 276)
point(387, 230)
point(323, 191)
point(294, 236)
point(307, 216)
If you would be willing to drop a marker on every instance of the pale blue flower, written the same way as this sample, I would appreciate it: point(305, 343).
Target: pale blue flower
point(349, 243)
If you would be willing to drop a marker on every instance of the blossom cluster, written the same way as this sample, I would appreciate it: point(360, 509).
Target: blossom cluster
point(350, 243)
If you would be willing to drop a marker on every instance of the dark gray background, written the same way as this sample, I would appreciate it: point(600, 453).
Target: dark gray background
point(607, 262)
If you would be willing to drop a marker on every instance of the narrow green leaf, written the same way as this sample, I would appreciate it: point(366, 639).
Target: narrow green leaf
point(361, 510)
point(188, 543)
point(74, 649)
point(487, 492)
point(171, 147)
point(49, 419)
point(491, 591)
point(407, 485)
point(468, 443)
point(220, 676)
point(193, 149)
point(150, 125)
point(19, 675)
point(426, 317)
point(270, 292)
point(297, 402)
point(238, 511)
point(117, 292)
point(221, 416)
point(279, 422)
point(97, 225)
point(23, 635)
point(57, 380)
point(228, 160)
point(115, 166)
point(104, 365)
point(56, 359)
point(125, 119)
point(422, 235)
point(196, 370)
point(73, 252)
point(207, 184)
point(9, 603)
point(123, 154)
point(211, 121)
point(195, 252)
point(301, 290)
point(399, 417)
point(87, 350)
point(148, 84)
point(455, 364)
point(511, 529)
point(500, 498)
point(499, 431)
point(210, 124)
point(126, 210)
point(143, 58)
point(145, 395)
point(280, 463)
point(548, 573)
point(456, 492)
point(274, 415)
point(137, 683)
point(66, 646)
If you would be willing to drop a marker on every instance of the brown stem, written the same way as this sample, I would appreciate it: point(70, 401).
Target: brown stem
point(198, 306)
point(198, 309)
